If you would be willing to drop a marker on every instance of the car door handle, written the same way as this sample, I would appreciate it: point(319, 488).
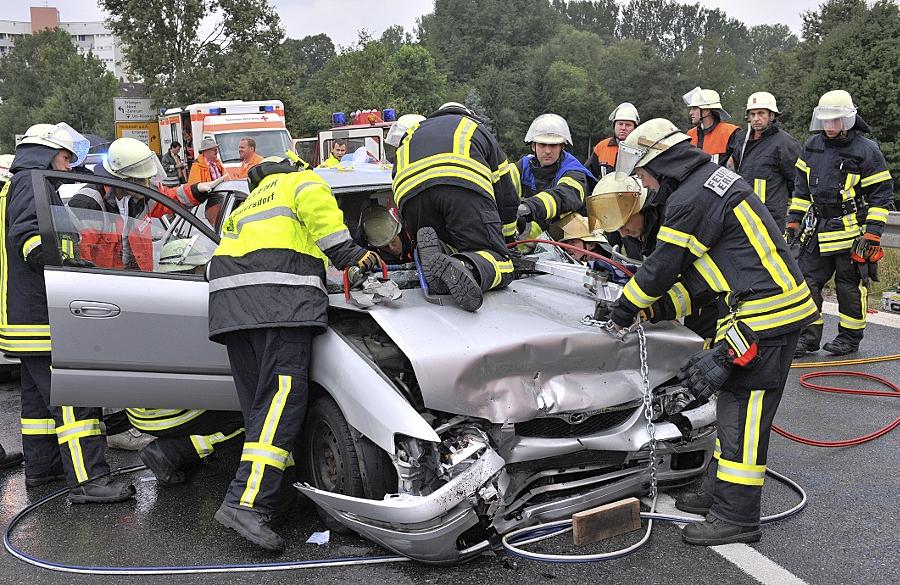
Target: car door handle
point(94, 309)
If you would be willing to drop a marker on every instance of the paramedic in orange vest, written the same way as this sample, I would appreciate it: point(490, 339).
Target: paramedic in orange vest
point(249, 158)
point(710, 133)
point(207, 167)
point(625, 118)
point(113, 224)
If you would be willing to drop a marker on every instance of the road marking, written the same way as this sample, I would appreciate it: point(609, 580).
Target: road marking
point(744, 557)
point(879, 318)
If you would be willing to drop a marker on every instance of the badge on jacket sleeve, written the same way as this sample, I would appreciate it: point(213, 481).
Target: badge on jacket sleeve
point(721, 181)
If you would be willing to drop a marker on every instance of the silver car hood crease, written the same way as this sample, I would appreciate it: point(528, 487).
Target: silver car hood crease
point(525, 354)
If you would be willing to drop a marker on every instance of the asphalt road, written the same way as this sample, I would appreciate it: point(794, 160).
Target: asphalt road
point(848, 533)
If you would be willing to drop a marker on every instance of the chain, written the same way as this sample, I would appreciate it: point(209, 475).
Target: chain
point(648, 407)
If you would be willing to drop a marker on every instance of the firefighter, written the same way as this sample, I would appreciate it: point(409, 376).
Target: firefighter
point(60, 442)
point(267, 299)
point(717, 236)
point(572, 229)
point(553, 182)
point(382, 232)
point(338, 149)
point(455, 187)
point(765, 155)
point(602, 161)
point(841, 198)
point(709, 131)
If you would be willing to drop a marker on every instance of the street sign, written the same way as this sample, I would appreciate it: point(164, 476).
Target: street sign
point(133, 109)
point(146, 132)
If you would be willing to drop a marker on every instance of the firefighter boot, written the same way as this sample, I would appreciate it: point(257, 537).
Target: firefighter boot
point(695, 503)
point(715, 531)
point(451, 272)
point(167, 473)
point(840, 346)
point(104, 490)
point(809, 341)
point(51, 476)
point(252, 525)
point(10, 459)
point(428, 246)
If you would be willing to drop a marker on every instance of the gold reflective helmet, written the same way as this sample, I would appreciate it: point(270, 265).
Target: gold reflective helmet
point(615, 199)
point(379, 225)
point(646, 142)
point(573, 226)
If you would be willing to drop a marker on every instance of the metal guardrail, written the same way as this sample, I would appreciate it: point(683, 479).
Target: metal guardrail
point(890, 238)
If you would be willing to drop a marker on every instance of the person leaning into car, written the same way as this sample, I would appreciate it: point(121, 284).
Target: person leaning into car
point(267, 299)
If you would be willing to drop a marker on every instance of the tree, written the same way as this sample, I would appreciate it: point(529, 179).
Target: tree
point(309, 54)
point(600, 17)
point(43, 79)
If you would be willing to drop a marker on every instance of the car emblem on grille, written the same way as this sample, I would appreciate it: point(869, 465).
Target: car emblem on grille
point(576, 418)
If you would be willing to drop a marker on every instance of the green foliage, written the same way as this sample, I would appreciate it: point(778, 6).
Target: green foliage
point(43, 79)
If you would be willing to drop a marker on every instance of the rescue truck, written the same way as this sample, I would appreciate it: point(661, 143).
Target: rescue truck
point(366, 128)
point(227, 122)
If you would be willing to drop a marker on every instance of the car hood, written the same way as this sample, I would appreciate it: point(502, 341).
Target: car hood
point(525, 354)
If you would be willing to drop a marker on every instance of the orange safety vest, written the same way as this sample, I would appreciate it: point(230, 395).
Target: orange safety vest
point(247, 165)
point(607, 151)
point(715, 142)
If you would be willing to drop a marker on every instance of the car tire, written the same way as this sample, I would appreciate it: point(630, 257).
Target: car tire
point(332, 455)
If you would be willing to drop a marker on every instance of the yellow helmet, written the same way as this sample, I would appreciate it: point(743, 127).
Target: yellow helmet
point(646, 142)
point(380, 225)
point(615, 199)
point(762, 100)
point(835, 110)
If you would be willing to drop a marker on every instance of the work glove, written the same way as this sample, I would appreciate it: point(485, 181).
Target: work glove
point(208, 186)
point(791, 232)
point(35, 259)
point(523, 212)
point(866, 253)
point(706, 371)
point(368, 261)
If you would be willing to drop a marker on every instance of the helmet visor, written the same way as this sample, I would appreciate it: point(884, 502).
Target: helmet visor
point(628, 158)
point(832, 118)
point(610, 211)
point(80, 144)
point(694, 97)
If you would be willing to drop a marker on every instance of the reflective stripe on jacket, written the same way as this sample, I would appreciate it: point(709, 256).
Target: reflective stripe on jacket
point(269, 268)
point(550, 196)
point(767, 164)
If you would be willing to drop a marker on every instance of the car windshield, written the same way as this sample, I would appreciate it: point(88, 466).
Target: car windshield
point(268, 143)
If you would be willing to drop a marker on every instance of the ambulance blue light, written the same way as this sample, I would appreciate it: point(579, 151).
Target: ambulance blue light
point(268, 108)
point(214, 111)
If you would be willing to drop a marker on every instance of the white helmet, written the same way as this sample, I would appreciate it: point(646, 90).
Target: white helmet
point(185, 254)
point(762, 100)
point(398, 130)
point(6, 161)
point(625, 111)
point(129, 158)
point(615, 199)
point(833, 105)
point(646, 142)
point(460, 106)
point(60, 136)
point(705, 99)
point(549, 129)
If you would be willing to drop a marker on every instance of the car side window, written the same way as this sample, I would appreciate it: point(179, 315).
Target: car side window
point(100, 226)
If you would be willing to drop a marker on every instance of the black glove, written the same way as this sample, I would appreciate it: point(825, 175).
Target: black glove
point(35, 259)
point(706, 371)
point(368, 261)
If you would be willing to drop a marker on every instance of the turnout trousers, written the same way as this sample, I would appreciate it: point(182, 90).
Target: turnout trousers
point(187, 436)
point(469, 223)
point(744, 413)
point(56, 438)
point(851, 294)
point(271, 371)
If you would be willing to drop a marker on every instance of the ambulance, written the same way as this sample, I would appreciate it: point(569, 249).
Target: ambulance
point(227, 122)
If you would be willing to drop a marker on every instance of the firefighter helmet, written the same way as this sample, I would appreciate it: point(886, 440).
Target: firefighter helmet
point(6, 161)
point(549, 129)
point(646, 142)
point(762, 100)
point(129, 158)
point(705, 99)
point(615, 199)
point(380, 225)
point(625, 111)
point(833, 106)
point(398, 130)
point(573, 226)
point(185, 254)
point(60, 136)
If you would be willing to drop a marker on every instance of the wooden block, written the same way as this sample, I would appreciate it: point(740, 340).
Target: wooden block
point(606, 521)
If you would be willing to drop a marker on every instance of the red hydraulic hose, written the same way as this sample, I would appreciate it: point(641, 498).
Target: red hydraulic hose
point(572, 248)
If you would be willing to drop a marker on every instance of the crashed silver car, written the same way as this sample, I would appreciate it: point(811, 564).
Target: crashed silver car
point(430, 430)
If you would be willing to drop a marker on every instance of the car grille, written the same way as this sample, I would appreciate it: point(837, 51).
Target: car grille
point(557, 428)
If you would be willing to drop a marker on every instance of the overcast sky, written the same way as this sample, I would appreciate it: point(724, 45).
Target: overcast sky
point(340, 19)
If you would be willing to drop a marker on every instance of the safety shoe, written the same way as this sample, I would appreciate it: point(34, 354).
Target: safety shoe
point(694, 502)
point(130, 440)
point(252, 525)
point(44, 478)
point(804, 347)
point(429, 245)
point(167, 474)
point(715, 531)
point(840, 347)
point(104, 490)
point(10, 458)
point(449, 271)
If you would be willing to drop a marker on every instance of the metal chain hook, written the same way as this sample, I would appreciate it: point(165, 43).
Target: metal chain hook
point(648, 407)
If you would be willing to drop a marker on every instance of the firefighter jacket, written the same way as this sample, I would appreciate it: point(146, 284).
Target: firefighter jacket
point(847, 183)
point(603, 157)
point(330, 162)
point(449, 148)
point(201, 172)
point(101, 225)
point(717, 236)
point(554, 190)
point(718, 140)
point(24, 324)
point(269, 268)
point(767, 165)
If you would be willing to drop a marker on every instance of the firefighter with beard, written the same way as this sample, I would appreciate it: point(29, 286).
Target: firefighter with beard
point(716, 235)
